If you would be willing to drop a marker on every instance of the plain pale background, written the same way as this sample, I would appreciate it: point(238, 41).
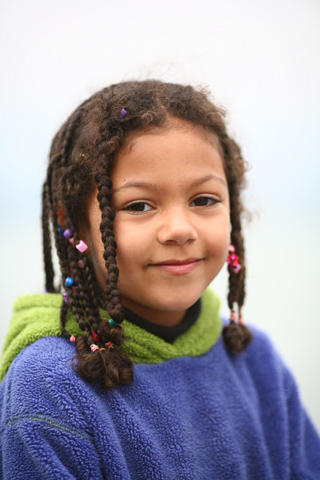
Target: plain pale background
point(260, 60)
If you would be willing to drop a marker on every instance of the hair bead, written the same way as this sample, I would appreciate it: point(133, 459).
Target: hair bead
point(232, 316)
point(82, 247)
point(240, 319)
point(60, 215)
point(95, 336)
point(69, 181)
point(74, 289)
point(123, 113)
point(233, 260)
point(67, 233)
point(69, 282)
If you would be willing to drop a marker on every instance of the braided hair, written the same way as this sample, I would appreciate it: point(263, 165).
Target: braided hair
point(81, 159)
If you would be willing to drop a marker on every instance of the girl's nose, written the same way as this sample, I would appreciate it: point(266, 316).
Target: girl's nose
point(177, 228)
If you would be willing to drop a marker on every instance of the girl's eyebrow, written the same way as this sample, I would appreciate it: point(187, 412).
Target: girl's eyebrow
point(207, 178)
point(152, 186)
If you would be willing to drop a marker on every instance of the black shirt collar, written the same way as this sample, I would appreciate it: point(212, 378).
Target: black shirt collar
point(169, 334)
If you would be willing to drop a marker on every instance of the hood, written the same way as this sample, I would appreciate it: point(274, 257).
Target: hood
point(37, 316)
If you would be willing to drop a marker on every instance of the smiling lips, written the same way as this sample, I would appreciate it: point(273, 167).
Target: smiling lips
point(177, 267)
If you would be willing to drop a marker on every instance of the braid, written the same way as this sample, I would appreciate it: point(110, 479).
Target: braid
point(113, 295)
point(64, 186)
point(46, 241)
point(82, 157)
point(106, 146)
point(236, 335)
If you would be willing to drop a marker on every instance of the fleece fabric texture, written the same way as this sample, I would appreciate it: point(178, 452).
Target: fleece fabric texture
point(210, 415)
point(35, 316)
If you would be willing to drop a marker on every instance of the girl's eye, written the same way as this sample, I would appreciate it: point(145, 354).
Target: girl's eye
point(138, 207)
point(203, 202)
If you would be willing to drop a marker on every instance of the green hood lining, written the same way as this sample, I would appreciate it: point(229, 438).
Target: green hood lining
point(37, 316)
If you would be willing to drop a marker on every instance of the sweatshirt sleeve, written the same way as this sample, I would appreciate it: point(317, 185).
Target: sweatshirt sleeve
point(304, 440)
point(44, 433)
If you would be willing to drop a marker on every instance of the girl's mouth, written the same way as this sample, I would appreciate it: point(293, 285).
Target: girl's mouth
point(178, 267)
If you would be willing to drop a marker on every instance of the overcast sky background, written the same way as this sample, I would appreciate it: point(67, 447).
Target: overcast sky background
point(260, 60)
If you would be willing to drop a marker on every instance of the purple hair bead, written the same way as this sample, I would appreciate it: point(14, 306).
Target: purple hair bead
point(123, 113)
point(67, 233)
point(65, 297)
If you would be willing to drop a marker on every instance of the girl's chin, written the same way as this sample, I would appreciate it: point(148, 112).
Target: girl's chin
point(164, 302)
point(174, 306)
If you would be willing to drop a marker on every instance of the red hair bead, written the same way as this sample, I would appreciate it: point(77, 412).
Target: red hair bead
point(95, 336)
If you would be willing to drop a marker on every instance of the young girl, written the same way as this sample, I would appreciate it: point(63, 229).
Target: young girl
point(126, 375)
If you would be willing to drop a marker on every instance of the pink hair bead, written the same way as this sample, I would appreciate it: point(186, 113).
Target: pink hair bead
point(82, 247)
point(74, 289)
point(72, 338)
point(71, 240)
point(233, 260)
point(80, 264)
point(236, 268)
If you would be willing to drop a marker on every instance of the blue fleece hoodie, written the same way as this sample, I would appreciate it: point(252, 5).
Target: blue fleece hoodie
point(196, 414)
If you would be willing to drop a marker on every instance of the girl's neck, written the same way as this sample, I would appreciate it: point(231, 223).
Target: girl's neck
point(158, 317)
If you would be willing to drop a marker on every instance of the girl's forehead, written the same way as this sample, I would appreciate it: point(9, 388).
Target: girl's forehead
point(175, 153)
point(172, 128)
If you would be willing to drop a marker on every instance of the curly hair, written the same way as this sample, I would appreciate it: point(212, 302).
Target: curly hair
point(81, 159)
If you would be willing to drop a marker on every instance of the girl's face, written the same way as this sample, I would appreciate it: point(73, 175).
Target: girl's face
point(171, 201)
